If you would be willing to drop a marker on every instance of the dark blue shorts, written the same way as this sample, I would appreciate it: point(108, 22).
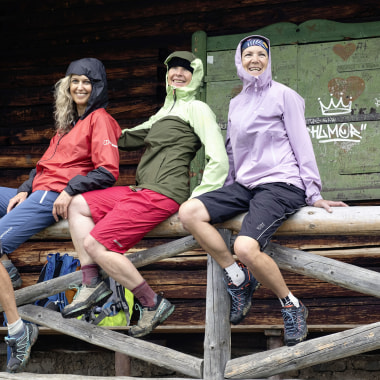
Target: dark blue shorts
point(268, 206)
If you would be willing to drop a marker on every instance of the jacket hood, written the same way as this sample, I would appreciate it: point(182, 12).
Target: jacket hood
point(192, 88)
point(94, 70)
point(248, 80)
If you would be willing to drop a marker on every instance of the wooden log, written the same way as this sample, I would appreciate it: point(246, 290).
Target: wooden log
point(333, 271)
point(155, 354)
point(59, 284)
point(355, 220)
point(323, 268)
point(306, 354)
point(217, 343)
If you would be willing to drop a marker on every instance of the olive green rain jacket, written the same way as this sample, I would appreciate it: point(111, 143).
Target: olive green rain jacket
point(172, 137)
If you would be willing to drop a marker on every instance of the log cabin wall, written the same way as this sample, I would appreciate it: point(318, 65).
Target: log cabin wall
point(40, 39)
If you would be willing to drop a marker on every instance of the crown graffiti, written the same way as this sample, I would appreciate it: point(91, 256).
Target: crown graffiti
point(335, 109)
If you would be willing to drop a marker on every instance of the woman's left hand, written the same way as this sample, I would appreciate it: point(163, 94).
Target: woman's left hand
point(322, 203)
point(61, 205)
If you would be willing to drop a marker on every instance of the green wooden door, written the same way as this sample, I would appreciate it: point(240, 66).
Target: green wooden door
point(340, 82)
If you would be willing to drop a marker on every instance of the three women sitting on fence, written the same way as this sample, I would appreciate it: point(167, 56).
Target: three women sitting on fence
point(77, 160)
point(104, 224)
point(272, 174)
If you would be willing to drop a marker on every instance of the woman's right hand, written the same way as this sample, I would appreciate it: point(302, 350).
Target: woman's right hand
point(16, 200)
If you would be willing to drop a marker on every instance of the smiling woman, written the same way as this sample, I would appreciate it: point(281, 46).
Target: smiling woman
point(80, 90)
point(180, 72)
point(68, 167)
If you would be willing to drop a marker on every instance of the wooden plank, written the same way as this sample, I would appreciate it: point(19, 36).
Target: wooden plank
point(155, 354)
point(306, 354)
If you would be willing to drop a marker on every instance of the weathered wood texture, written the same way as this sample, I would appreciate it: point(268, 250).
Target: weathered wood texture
point(306, 354)
point(132, 39)
point(161, 356)
point(217, 343)
point(357, 220)
point(185, 282)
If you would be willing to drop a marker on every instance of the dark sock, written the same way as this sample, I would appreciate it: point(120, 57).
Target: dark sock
point(146, 296)
point(90, 274)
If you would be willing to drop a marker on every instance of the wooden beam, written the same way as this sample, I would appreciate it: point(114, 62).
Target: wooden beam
point(333, 271)
point(47, 288)
point(217, 343)
point(316, 266)
point(355, 220)
point(306, 354)
point(114, 341)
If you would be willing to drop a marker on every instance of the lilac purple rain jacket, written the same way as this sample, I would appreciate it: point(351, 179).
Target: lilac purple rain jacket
point(267, 140)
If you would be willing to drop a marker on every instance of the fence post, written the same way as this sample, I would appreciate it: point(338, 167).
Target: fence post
point(217, 344)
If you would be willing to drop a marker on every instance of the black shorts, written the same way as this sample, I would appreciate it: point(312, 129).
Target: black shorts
point(268, 206)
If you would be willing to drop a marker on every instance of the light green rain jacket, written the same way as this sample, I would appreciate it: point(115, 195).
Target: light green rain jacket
point(172, 137)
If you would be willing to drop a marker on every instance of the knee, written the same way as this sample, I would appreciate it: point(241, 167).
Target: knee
point(90, 244)
point(75, 204)
point(246, 250)
point(192, 212)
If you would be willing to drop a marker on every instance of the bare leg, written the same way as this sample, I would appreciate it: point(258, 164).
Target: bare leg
point(81, 223)
point(261, 265)
point(7, 296)
point(117, 266)
point(195, 218)
point(90, 251)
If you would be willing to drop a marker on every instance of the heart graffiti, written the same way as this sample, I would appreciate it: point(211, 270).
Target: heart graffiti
point(347, 89)
point(344, 51)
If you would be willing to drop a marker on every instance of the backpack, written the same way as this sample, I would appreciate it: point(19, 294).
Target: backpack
point(55, 266)
point(116, 310)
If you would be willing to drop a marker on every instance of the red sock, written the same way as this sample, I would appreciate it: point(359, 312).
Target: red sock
point(89, 272)
point(145, 295)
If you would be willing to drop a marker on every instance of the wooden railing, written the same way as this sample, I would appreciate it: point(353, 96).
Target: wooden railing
point(216, 364)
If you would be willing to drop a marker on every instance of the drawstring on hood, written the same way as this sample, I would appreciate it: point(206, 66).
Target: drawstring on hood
point(94, 70)
point(249, 81)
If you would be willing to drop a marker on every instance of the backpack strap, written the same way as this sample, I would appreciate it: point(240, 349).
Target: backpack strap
point(107, 310)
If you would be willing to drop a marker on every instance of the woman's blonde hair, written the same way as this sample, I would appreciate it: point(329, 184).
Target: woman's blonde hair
point(65, 112)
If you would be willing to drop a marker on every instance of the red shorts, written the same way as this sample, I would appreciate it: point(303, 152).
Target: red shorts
point(123, 216)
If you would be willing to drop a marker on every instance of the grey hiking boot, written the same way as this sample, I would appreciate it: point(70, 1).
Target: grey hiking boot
point(14, 275)
point(20, 348)
point(86, 298)
point(295, 327)
point(151, 317)
point(241, 296)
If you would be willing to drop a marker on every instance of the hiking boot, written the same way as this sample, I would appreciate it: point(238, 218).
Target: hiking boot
point(86, 298)
point(241, 296)
point(20, 348)
point(14, 275)
point(295, 327)
point(151, 317)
